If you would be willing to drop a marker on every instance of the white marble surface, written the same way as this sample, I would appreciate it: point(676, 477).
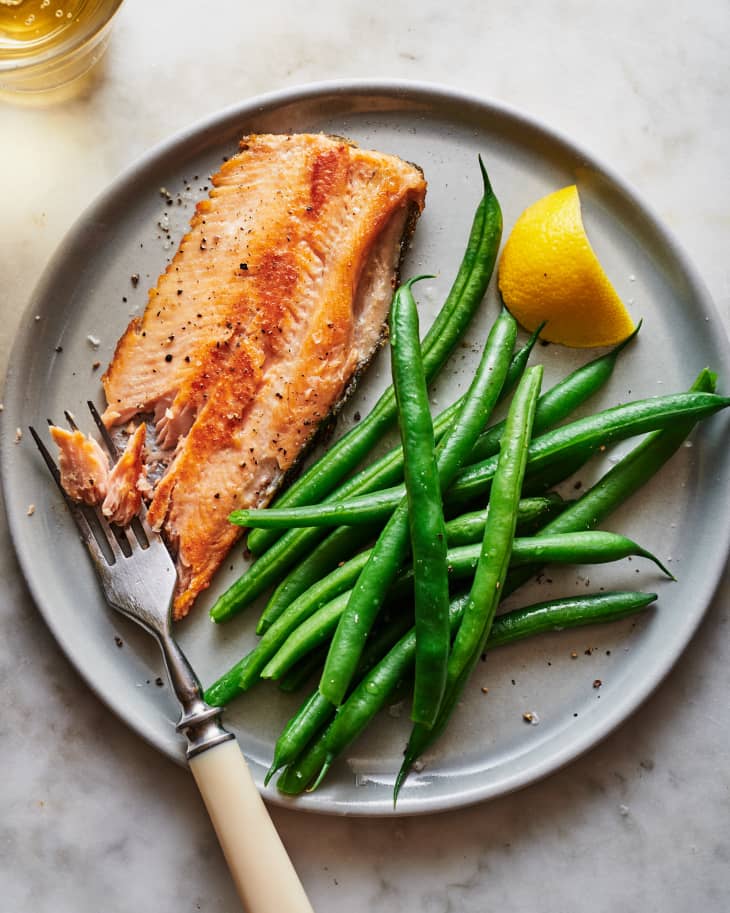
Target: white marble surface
point(92, 819)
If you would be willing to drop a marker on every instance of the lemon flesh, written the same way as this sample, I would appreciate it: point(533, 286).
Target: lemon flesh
point(548, 271)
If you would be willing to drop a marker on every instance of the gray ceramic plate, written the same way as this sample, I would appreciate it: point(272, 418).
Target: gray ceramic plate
point(86, 296)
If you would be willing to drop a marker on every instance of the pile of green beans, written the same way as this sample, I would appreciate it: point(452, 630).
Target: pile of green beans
point(314, 551)
point(302, 749)
point(366, 565)
point(318, 733)
point(310, 619)
point(436, 471)
point(461, 531)
point(491, 570)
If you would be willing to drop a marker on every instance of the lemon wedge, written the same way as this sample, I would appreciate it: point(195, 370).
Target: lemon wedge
point(548, 271)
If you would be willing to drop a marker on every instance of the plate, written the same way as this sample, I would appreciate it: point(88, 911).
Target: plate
point(86, 298)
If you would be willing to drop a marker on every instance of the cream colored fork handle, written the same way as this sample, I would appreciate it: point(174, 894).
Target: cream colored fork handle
point(260, 866)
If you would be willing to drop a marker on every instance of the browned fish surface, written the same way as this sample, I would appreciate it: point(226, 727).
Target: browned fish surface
point(276, 298)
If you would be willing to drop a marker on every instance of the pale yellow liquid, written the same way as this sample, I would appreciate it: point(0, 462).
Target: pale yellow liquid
point(28, 25)
point(49, 47)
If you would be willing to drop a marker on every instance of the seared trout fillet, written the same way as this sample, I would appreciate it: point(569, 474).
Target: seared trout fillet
point(274, 302)
point(83, 465)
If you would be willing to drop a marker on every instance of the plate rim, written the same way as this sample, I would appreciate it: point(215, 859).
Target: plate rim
point(622, 706)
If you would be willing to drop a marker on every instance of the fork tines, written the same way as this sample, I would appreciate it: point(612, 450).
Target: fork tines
point(107, 542)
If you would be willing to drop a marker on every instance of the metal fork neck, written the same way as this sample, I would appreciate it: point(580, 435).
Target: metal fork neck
point(199, 722)
point(202, 728)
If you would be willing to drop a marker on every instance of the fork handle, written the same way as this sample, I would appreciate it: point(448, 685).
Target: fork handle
point(261, 868)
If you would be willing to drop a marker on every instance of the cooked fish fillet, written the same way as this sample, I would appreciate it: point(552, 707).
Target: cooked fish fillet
point(127, 481)
point(276, 299)
point(83, 465)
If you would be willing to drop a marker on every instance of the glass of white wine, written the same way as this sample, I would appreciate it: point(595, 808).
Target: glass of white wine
point(45, 45)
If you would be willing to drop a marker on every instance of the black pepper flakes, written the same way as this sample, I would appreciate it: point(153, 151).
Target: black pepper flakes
point(168, 357)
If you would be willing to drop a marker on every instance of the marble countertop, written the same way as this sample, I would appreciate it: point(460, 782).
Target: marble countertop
point(92, 818)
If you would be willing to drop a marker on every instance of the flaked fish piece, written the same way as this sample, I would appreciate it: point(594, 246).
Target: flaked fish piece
point(127, 480)
point(83, 465)
point(275, 301)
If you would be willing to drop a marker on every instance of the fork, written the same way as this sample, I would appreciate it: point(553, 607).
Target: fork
point(138, 577)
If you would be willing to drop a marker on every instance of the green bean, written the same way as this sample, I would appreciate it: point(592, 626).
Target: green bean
point(310, 633)
point(297, 677)
point(387, 470)
point(376, 689)
point(588, 547)
point(621, 481)
point(469, 527)
point(447, 329)
point(299, 774)
point(387, 553)
point(518, 364)
point(636, 468)
point(599, 430)
point(540, 481)
point(491, 570)
point(425, 511)
point(322, 592)
point(559, 401)
point(594, 431)
point(316, 712)
point(337, 546)
point(558, 614)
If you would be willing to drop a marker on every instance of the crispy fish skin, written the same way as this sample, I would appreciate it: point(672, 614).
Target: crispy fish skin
point(274, 302)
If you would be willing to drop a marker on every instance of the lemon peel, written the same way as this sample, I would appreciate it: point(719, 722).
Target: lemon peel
point(549, 272)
